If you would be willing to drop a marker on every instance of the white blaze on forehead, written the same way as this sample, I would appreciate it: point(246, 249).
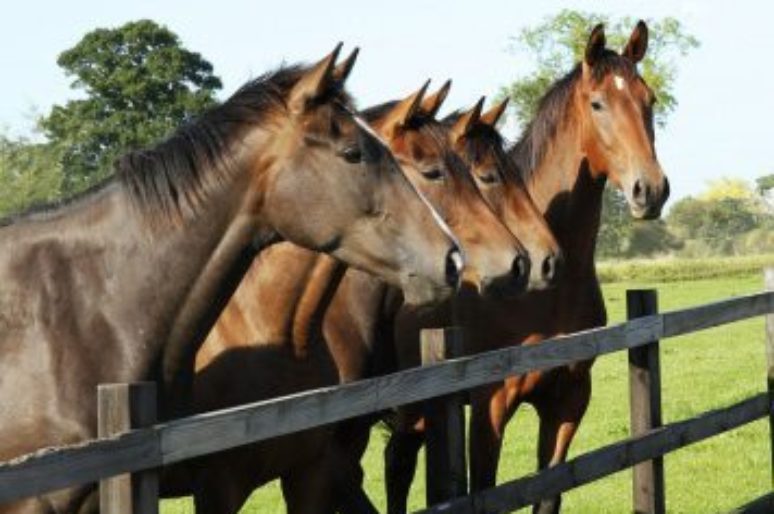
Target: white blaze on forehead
point(619, 82)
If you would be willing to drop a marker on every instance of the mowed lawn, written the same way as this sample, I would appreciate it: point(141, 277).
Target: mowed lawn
point(701, 371)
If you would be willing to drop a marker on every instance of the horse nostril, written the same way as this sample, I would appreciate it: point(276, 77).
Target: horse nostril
point(637, 190)
point(454, 264)
point(641, 193)
point(548, 268)
point(551, 268)
point(520, 268)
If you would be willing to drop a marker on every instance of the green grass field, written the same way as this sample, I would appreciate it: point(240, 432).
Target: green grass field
point(701, 371)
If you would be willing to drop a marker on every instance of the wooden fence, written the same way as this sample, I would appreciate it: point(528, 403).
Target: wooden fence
point(131, 446)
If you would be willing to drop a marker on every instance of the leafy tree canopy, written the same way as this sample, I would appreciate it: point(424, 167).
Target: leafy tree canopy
point(29, 173)
point(139, 83)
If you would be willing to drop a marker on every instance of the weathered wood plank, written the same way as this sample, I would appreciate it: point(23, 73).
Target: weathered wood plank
point(121, 408)
point(717, 313)
point(228, 428)
point(768, 280)
point(57, 468)
point(645, 406)
point(607, 460)
point(446, 469)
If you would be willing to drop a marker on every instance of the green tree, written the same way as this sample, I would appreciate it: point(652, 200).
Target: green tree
point(558, 43)
point(29, 173)
point(764, 186)
point(613, 233)
point(139, 83)
point(716, 223)
point(648, 239)
point(765, 183)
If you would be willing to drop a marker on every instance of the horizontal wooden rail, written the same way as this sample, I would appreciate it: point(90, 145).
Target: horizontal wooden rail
point(606, 460)
point(228, 428)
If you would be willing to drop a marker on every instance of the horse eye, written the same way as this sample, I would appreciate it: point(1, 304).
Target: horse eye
point(352, 154)
point(489, 178)
point(433, 174)
point(596, 105)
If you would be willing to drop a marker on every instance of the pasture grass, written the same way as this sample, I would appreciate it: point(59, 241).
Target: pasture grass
point(700, 371)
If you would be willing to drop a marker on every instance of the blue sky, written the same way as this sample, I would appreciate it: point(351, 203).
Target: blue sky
point(725, 88)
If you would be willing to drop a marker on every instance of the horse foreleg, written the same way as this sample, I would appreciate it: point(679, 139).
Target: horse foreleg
point(219, 488)
point(400, 463)
point(308, 489)
point(560, 415)
point(487, 423)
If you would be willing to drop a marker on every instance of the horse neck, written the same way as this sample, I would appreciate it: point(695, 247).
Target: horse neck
point(314, 301)
point(568, 196)
point(195, 268)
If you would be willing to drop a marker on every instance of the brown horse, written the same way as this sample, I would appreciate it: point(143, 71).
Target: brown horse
point(592, 125)
point(359, 323)
point(123, 283)
point(276, 349)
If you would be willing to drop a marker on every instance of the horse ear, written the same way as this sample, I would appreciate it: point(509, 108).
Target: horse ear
point(314, 83)
point(596, 44)
point(400, 115)
point(432, 104)
point(492, 116)
point(467, 121)
point(638, 43)
point(342, 71)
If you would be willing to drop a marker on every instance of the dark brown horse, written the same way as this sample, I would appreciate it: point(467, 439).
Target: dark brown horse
point(258, 350)
point(123, 283)
point(594, 124)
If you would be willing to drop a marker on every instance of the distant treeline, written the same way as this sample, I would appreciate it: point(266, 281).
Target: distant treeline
point(731, 217)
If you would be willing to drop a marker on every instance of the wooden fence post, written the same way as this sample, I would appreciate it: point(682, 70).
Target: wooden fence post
point(122, 407)
point(645, 405)
point(446, 473)
point(768, 280)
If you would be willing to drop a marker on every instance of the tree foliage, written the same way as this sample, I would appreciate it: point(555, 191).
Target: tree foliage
point(716, 223)
point(29, 173)
point(558, 43)
point(138, 83)
point(621, 236)
point(765, 184)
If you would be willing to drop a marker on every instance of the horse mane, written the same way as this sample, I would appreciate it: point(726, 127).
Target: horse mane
point(531, 148)
point(179, 173)
point(482, 140)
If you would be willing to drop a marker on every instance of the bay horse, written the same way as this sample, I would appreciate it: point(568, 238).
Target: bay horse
point(123, 282)
point(258, 350)
point(593, 125)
